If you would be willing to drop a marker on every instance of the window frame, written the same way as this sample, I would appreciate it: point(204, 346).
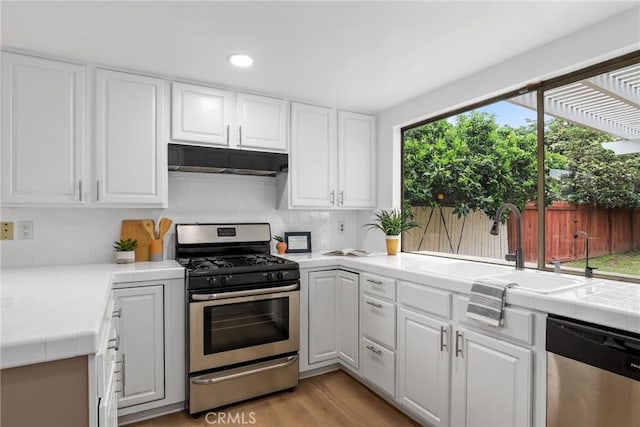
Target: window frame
point(540, 87)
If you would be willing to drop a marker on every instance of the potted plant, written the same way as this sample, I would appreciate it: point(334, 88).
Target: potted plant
point(392, 223)
point(125, 251)
point(281, 246)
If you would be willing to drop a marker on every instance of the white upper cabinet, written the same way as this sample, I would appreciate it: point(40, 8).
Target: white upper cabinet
point(201, 114)
point(43, 105)
point(262, 123)
point(356, 160)
point(130, 150)
point(312, 161)
point(222, 118)
point(332, 162)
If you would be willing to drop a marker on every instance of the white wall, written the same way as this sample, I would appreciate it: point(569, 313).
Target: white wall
point(604, 40)
point(86, 235)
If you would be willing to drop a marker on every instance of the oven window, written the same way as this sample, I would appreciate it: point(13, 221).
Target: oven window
point(232, 326)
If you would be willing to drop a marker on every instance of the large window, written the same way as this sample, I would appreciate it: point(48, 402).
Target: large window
point(458, 169)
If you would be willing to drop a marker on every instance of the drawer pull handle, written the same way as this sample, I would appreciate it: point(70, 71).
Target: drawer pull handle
point(374, 304)
point(443, 332)
point(332, 197)
point(458, 344)
point(117, 313)
point(115, 345)
point(375, 282)
point(375, 350)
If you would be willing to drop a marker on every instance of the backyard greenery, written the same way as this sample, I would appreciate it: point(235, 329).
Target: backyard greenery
point(625, 263)
point(474, 164)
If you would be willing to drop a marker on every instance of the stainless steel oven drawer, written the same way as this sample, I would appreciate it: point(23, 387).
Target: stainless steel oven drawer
point(220, 388)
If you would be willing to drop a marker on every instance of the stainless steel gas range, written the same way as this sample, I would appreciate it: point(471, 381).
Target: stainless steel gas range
point(243, 314)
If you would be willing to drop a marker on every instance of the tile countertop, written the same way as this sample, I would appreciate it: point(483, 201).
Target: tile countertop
point(606, 302)
point(51, 313)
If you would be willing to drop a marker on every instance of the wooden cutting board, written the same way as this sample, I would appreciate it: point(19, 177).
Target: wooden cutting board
point(133, 229)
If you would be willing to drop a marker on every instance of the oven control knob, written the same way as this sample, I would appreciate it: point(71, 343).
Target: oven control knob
point(269, 276)
point(225, 280)
point(280, 275)
point(212, 281)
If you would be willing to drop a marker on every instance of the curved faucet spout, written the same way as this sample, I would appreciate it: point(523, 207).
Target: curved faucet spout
point(588, 271)
point(518, 257)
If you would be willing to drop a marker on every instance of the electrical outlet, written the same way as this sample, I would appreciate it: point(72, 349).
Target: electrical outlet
point(6, 231)
point(25, 230)
point(340, 227)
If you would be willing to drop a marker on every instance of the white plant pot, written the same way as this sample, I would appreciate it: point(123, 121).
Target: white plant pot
point(125, 257)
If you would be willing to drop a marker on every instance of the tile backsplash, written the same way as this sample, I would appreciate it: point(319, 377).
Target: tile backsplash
point(86, 235)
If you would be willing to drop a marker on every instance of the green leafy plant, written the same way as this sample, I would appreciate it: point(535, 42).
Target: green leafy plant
point(125, 245)
point(278, 238)
point(392, 222)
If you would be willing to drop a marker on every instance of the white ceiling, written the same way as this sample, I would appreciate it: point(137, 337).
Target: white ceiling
point(362, 56)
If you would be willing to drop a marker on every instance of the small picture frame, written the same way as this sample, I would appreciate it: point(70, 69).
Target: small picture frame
point(298, 242)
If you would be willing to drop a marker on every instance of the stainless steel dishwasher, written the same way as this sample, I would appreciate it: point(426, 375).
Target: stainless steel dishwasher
point(593, 375)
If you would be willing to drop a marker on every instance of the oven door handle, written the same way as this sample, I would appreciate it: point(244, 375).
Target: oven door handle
point(222, 295)
point(215, 380)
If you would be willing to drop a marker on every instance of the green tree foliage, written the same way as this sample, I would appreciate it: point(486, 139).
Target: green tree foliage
point(478, 165)
point(596, 175)
point(473, 162)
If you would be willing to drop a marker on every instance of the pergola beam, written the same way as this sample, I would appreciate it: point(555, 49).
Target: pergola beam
point(578, 116)
point(615, 88)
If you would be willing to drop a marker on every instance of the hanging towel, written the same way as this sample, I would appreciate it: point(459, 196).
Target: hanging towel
point(487, 300)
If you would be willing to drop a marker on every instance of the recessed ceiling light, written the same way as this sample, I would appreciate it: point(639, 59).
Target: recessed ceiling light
point(241, 60)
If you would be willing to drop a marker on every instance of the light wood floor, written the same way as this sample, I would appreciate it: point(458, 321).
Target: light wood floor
point(333, 399)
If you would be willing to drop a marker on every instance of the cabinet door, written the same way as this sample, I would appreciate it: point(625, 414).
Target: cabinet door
point(424, 366)
point(130, 151)
point(312, 163)
point(201, 114)
point(356, 160)
point(491, 382)
point(348, 317)
point(141, 331)
point(323, 297)
point(42, 130)
point(262, 122)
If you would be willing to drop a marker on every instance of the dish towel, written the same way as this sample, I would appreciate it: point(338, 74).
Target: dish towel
point(487, 300)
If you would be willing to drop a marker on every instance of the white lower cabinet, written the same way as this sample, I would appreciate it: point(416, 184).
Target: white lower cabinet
point(333, 317)
point(141, 353)
point(424, 366)
point(378, 332)
point(151, 358)
point(452, 375)
point(379, 365)
point(323, 317)
point(348, 317)
point(492, 382)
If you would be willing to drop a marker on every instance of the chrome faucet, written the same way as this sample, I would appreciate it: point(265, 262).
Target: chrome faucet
point(518, 257)
point(588, 271)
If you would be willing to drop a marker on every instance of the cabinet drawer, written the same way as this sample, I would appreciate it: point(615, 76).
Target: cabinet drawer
point(378, 285)
point(379, 366)
point(378, 320)
point(518, 324)
point(425, 299)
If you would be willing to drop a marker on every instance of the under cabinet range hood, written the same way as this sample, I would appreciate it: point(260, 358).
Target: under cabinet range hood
point(191, 158)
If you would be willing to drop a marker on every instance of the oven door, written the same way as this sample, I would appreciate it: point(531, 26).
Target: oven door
point(226, 331)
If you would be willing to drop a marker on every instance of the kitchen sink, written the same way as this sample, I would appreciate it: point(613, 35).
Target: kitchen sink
point(462, 270)
point(541, 282)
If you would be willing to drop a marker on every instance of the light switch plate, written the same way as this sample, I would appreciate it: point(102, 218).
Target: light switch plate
point(6, 231)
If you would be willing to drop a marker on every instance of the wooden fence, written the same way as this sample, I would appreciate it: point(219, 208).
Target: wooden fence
point(443, 231)
point(611, 231)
